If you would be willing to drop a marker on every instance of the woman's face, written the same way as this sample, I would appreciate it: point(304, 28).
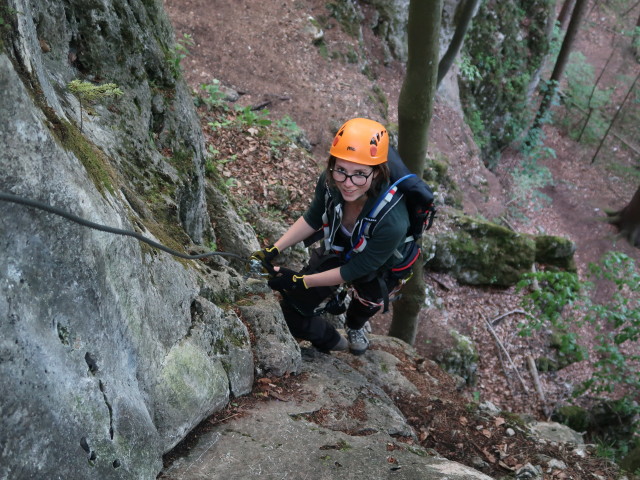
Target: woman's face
point(349, 190)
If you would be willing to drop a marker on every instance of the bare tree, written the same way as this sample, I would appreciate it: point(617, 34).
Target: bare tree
point(618, 110)
point(595, 87)
point(565, 14)
point(567, 44)
point(628, 219)
point(415, 106)
point(636, 41)
point(464, 14)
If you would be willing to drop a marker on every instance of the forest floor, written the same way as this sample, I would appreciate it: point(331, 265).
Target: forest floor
point(265, 51)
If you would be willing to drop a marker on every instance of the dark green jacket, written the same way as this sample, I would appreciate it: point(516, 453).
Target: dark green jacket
point(388, 237)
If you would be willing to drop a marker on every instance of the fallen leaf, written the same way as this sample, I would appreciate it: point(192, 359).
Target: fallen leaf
point(504, 465)
point(488, 455)
point(279, 397)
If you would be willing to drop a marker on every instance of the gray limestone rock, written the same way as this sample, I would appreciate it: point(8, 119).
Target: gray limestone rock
point(342, 427)
point(276, 351)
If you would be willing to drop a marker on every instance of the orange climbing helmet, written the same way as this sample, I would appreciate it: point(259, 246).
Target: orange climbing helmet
point(361, 140)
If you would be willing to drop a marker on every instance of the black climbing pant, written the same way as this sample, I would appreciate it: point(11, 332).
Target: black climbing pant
point(299, 307)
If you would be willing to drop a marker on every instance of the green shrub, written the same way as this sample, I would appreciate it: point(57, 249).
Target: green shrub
point(565, 304)
point(179, 52)
point(246, 117)
point(215, 97)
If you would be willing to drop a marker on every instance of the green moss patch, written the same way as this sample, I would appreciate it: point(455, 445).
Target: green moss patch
point(95, 161)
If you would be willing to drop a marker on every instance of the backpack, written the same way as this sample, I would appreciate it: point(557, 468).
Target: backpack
point(417, 193)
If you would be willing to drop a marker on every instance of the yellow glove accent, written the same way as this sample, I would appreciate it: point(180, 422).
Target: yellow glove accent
point(300, 278)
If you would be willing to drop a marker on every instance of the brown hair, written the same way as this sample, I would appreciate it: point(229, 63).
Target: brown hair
point(380, 178)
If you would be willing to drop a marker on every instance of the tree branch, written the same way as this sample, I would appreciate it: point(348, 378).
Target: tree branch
point(497, 319)
point(495, 337)
point(533, 370)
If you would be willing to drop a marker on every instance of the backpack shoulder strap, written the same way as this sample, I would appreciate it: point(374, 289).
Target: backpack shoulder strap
point(385, 203)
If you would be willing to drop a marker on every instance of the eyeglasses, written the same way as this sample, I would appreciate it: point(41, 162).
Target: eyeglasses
point(357, 179)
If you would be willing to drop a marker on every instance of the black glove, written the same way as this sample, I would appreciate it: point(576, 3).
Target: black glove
point(267, 254)
point(265, 257)
point(286, 279)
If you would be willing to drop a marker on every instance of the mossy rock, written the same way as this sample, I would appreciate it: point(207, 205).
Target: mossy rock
point(436, 174)
point(478, 252)
point(508, 43)
point(565, 356)
point(608, 422)
point(631, 463)
point(555, 251)
point(460, 358)
point(576, 418)
point(348, 15)
point(547, 364)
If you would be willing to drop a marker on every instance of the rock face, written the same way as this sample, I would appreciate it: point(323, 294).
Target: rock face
point(343, 426)
point(110, 351)
point(507, 46)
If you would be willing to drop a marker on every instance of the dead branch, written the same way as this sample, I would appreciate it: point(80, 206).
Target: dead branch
point(495, 337)
point(442, 284)
point(497, 319)
point(536, 379)
point(533, 370)
point(260, 105)
point(506, 373)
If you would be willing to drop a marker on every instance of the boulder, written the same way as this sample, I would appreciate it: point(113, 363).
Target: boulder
point(479, 252)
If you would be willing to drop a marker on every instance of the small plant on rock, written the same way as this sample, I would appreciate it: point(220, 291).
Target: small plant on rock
point(87, 94)
point(178, 53)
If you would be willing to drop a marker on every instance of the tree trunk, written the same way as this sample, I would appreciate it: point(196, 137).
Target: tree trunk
point(565, 14)
point(415, 106)
point(628, 220)
point(468, 10)
point(567, 44)
point(635, 42)
point(595, 87)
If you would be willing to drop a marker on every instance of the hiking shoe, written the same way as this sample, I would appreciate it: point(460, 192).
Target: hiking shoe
point(358, 341)
point(341, 346)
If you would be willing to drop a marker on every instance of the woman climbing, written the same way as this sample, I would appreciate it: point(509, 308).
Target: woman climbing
point(364, 225)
